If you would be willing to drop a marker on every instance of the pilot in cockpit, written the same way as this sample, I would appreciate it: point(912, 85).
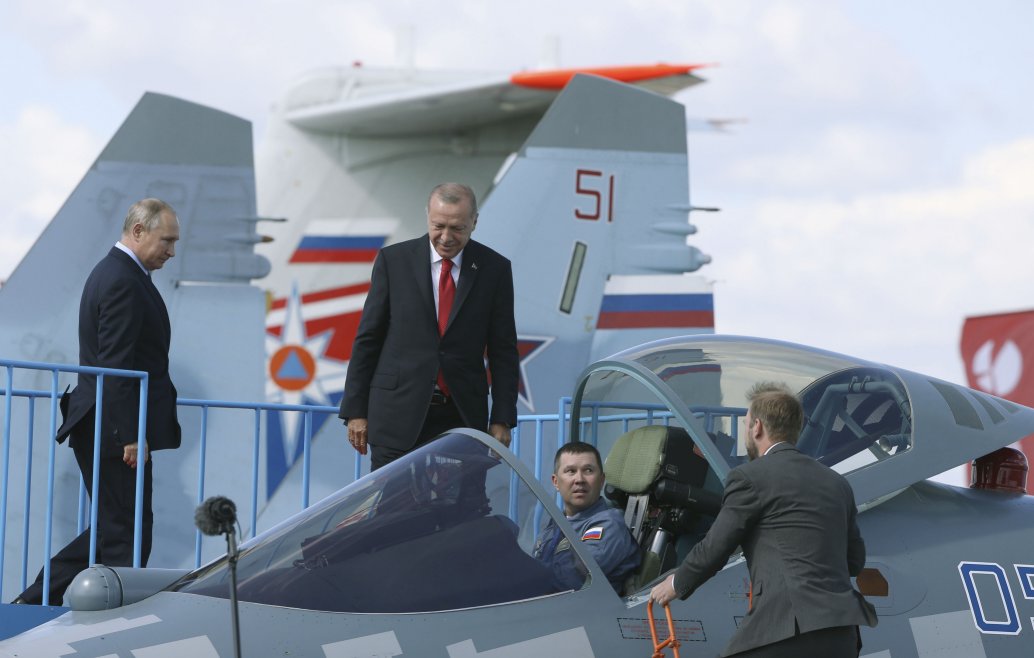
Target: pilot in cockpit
point(578, 476)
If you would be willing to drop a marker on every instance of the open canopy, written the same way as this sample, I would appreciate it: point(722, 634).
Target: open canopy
point(885, 428)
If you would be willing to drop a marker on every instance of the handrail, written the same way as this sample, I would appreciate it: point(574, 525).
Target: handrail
point(541, 425)
point(55, 368)
point(671, 641)
point(258, 408)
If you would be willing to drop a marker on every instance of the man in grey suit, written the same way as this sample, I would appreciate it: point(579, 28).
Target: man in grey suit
point(439, 306)
point(795, 519)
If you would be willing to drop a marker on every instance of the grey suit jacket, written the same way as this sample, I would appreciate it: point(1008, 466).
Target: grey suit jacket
point(795, 519)
point(397, 350)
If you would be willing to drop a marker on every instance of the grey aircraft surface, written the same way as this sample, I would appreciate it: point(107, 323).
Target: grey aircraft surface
point(432, 555)
point(595, 163)
point(349, 156)
point(201, 161)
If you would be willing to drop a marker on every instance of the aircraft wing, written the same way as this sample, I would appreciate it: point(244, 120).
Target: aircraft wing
point(369, 103)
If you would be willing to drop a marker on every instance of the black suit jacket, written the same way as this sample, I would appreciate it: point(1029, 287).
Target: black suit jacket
point(795, 519)
point(123, 323)
point(397, 351)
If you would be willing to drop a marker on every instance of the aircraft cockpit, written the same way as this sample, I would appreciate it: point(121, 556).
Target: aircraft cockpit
point(449, 526)
point(851, 407)
point(453, 525)
point(678, 406)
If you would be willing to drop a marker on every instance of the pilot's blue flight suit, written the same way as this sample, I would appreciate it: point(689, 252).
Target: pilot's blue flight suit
point(603, 531)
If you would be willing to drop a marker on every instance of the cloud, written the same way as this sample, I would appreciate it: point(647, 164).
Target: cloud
point(234, 55)
point(874, 198)
point(834, 159)
point(890, 273)
point(43, 161)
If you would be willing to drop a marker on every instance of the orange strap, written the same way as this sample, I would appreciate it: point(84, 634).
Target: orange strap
point(658, 647)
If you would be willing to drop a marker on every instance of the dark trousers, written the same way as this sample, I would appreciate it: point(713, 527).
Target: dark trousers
point(837, 642)
point(116, 497)
point(440, 418)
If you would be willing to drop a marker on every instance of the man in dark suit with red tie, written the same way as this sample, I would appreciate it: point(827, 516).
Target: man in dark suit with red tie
point(123, 324)
point(438, 306)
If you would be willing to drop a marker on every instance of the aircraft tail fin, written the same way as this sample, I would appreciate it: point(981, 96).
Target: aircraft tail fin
point(196, 158)
point(199, 160)
point(599, 190)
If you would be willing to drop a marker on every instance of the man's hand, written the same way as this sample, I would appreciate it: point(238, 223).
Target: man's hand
point(357, 434)
point(129, 454)
point(664, 592)
point(501, 433)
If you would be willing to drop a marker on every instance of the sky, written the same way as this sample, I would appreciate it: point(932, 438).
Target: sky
point(875, 192)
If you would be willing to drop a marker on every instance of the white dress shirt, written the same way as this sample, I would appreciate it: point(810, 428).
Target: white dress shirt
point(436, 271)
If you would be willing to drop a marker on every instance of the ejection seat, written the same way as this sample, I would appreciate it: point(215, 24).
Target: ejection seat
point(654, 474)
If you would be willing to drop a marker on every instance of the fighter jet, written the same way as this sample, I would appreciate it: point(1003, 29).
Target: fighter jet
point(592, 207)
point(432, 555)
point(585, 191)
point(606, 165)
point(199, 159)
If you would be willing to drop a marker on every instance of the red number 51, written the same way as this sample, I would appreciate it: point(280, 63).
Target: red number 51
point(583, 185)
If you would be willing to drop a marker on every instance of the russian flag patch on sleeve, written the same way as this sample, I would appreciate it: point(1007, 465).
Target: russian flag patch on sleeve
point(593, 533)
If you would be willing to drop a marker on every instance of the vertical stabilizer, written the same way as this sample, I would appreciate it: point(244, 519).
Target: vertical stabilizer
point(199, 160)
point(599, 189)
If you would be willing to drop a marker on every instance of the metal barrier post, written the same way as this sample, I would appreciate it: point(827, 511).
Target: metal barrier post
point(201, 467)
point(515, 445)
point(48, 532)
point(255, 471)
point(7, 461)
point(306, 442)
point(26, 507)
point(95, 479)
point(142, 457)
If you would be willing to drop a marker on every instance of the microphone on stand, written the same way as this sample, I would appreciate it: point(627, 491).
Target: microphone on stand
point(218, 516)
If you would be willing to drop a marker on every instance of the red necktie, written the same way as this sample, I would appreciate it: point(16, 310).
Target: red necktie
point(446, 293)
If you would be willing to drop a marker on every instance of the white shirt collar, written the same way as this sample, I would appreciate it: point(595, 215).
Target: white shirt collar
point(436, 260)
point(772, 446)
point(122, 247)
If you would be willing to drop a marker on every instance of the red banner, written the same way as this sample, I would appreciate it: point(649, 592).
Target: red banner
point(998, 353)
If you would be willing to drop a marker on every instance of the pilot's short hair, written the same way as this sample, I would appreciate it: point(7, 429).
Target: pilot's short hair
point(453, 193)
point(576, 448)
point(146, 212)
point(778, 409)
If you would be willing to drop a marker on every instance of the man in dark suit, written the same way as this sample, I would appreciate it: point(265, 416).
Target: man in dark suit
point(123, 323)
point(795, 519)
point(438, 306)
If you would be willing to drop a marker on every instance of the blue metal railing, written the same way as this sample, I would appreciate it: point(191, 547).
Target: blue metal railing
point(538, 424)
point(9, 393)
point(257, 408)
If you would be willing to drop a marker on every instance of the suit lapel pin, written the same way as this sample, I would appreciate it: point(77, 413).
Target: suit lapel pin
point(473, 266)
